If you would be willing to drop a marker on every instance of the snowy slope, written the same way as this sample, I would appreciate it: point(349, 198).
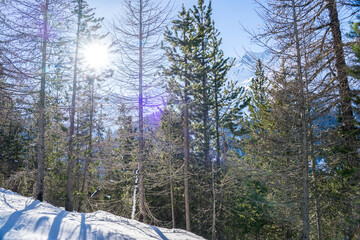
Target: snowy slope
point(244, 68)
point(26, 218)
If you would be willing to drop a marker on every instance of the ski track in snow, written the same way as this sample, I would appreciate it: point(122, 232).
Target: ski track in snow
point(23, 218)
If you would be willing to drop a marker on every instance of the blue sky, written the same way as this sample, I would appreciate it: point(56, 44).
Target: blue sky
point(227, 14)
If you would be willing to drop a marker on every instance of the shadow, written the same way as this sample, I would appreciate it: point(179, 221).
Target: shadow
point(83, 227)
point(40, 222)
point(8, 203)
point(55, 227)
point(148, 233)
point(159, 232)
point(14, 217)
point(100, 234)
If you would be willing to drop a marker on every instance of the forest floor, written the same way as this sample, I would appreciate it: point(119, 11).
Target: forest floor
point(26, 218)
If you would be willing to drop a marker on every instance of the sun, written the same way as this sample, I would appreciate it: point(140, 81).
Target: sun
point(96, 55)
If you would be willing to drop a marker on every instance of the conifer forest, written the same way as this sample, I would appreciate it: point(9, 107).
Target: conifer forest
point(140, 117)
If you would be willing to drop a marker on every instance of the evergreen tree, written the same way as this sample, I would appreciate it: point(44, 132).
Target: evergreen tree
point(86, 23)
point(179, 53)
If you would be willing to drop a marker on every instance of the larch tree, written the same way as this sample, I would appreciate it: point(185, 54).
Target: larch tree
point(29, 34)
point(137, 36)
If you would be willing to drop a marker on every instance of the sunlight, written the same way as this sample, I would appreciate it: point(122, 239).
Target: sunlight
point(96, 55)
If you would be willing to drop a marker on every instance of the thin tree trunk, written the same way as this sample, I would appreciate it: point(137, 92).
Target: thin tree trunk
point(217, 119)
point(205, 119)
point(88, 157)
point(316, 194)
point(312, 156)
point(213, 227)
point(304, 150)
point(141, 123)
point(205, 106)
point(172, 196)
point(134, 196)
point(69, 202)
point(41, 121)
point(186, 155)
point(186, 144)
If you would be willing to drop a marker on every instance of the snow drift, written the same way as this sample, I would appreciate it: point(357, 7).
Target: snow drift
point(26, 218)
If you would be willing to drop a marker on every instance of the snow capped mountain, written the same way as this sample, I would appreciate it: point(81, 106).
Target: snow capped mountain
point(23, 218)
point(244, 68)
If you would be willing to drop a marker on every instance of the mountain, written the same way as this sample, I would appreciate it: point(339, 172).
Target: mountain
point(244, 68)
point(23, 218)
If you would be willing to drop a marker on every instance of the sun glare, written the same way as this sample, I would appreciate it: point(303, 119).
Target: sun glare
point(96, 56)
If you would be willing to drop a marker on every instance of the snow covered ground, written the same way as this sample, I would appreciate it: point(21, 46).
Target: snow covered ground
point(26, 218)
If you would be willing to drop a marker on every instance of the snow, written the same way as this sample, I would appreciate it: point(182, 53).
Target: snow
point(26, 218)
point(244, 68)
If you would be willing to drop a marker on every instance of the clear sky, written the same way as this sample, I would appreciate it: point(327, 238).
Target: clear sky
point(227, 14)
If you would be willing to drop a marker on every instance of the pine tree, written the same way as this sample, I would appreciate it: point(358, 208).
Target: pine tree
point(180, 55)
point(199, 88)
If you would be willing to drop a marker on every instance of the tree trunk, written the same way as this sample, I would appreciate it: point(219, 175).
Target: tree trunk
point(205, 118)
point(69, 202)
point(88, 156)
point(340, 65)
point(347, 115)
point(141, 122)
point(41, 122)
point(186, 154)
point(304, 149)
point(217, 119)
point(134, 196)
point(172, 196)
point(312, 157)
point(213, 227)
point(316, 194)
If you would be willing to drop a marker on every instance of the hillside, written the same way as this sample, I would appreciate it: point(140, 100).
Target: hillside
point(26, 218)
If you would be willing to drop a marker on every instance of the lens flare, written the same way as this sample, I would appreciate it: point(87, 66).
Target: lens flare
point(96, 56)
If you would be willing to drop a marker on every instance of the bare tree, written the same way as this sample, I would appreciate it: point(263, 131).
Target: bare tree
point(137, 33)
point(27, 39)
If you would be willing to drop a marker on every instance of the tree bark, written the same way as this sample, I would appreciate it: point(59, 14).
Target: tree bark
point(41, 122)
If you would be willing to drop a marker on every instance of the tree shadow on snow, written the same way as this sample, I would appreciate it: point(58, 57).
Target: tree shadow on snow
point(55, 227)
point(14, 218)
point(99, 235)
point(5, 201)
